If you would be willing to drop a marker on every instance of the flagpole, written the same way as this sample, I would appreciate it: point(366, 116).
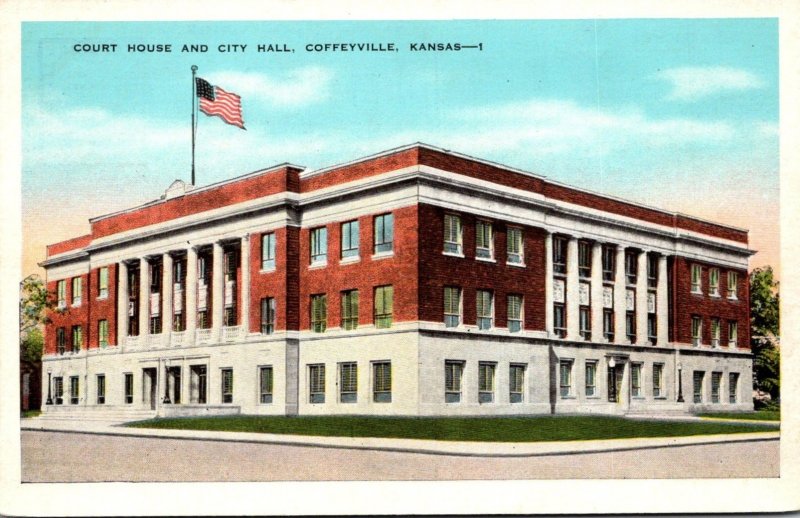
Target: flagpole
point(194, 107)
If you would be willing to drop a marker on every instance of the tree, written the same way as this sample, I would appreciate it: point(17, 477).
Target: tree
point(34, 302)
point(765, 330)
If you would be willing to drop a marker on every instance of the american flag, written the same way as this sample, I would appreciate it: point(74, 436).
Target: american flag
point(216, 101)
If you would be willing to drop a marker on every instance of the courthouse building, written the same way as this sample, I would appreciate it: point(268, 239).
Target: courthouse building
point(417, 281)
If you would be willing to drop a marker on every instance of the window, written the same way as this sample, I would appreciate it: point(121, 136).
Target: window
point(608, 324)
point(716, 380)
point(128, 388)
point(316, 383)
point(733, 283)
point(559, 320)
point(733, 333)
point(319, 245)
point(101, 389)
point(382, 382)
point(265, 384)
point(565, 378)
point(652, 271)
point(658, 380)
point(486, 382)
point(102, 333)
point(636, 380)
point(452, 306)
point(514, 250)
point(484, 309)
point(319, 313)
point(697, 330)
point(630, 326)
point(559, 255)
point(350, 239)
point(77, 291)
point(585, 318)
point(516, 383)
point(384, 233)
point(383, 306)
point(348, 382)
point(77, 338)
point(61, 290)
point(267, 316)
point(58, 390)
point(652, 328)
point(697, 279)
point(697, 386)
point(452, 235)
point(631, 266)
point(268, 251)
point(591, 378)
point(484, 240)
point(715, 332)
point(514, 312)
point(713, 282)
point(733, 383)
point(74, 392)
point(609, 262)
point(227, 385)
point(198, 383)
point(102, 282)
point(61, 340)
point(584, 259)
point(453, 371)
point(349, 309)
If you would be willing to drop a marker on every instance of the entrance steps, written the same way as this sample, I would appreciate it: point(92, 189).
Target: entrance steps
point(95, 413)
point(665, 410)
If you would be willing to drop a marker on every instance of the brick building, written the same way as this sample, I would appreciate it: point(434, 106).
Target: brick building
point(416, 281)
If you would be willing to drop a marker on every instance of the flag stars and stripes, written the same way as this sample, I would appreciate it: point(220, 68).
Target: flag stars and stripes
point(214, 101)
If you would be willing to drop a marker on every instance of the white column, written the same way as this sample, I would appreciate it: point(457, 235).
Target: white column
point(597, 292)
point(641, 298)
point(166, 295)
point(573, 302)
point(217, 292)
point(548, 284)
point(619, 297)
point(144, 297)
point(245, 291)
point(191, 296)
point(662, 302)
point(122, 303)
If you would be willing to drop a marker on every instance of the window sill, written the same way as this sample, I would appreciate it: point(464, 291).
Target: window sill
point(516, 265)
point(315, 266)
point(660, 398)
point(102, 297)
point(76, 305)
point(640, 398)
point(486, 259)
point(733, 298)
point(349, 260)
point(596, 398)
point(569, 397)
point(268, 270)
point(382, 255)
point(693, 292)
point(453, 254)
point(714, 296)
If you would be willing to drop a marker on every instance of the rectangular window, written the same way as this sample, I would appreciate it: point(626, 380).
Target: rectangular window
point(382, 382)
point(715, 332)
point(128, 388)
point(652, 328)
point(636, 380)
point(155, 325)
point(102, 282)
point(58, 390)
point(631, 266)
point(585, 317)
point(608, 324)
point(349, 310)
point(319, 245)
point(453, 371)
point(733, 384)
point(102, 333)
point(267, 316)
point(652, 271)
point(630, 326)
point(733, 333)
point(559, 320)
point(658, 380)
point(77, 338)
point(697, 386)
point(514, 249)
point(348, 382)
point(77, 291)
point(591, 378)
point(485, 309)
point(268, 251)
point(384, 233)
point(733, 284)
point(452, 235)
point(227, 385)
point(713, 282)
point(514, 312)
point(384, 306)
point(61, 290)
point(609, 262)
point(486, 382)
point(559, 255)
point(265, 384)
point(61, 340)
point(319, 313)
point(516, 382)
point(584, 259)
point(716, 381)
point(565, 378)
point(452, 306)
point(484, 240)
point(350, 239)
point(316, 383)
point(697, 283)
point(74, 392)
point(697, 330)
point(101, 389)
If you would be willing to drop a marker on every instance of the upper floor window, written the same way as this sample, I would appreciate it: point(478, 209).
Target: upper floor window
point(384, 304)
point(713, 282)
point(515, 254)
point(267, 316)
point(350, 239)
point(485, 309)
point(61, 340)
point(77, 338)
point(584, 259)
point(733, 283)
point(77, 291)
point(203, 271)
point(609, 262)
point(697, 330)
point(452, 306)
point(733, 333)
point(484, 240)
point(178, 274)
point(350, 309)
point(102, 333)
point(652, 271)
point(652, 328)
point(608, 324)
point(559, 320)
point(452, 235)
point(715, 332)
point(585, 322)
point(155, 278)
point(697, 272)
point(102, 282)
point(514, 311)
point(630, 326)
point(61, 293)
point(384, 233)
point(268, 251)
point(631, 266)
point(319, 245)
point(559, 254)
point(319, 313)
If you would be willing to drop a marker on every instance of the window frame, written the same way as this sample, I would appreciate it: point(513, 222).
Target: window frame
point(486, 382)
point(383, 240)
point(74, 390)
point(266, 393)
point(316, 383)
point(697, 330)
point(77, 338)
point(127, 391)
point(696, 278)
point(559, 255)
point(733, 333)
point(226, 385)
point(630, 326)
point(348, 382)
point(58, 390)
point(631, 267)
point(515, 312)
point(716, 386)
point(61, 340)
point(77, 291)
point(350, 303)
point(565, 378)
point(268, 315)
point(584, 259)
point(733, 285)
point(637, 371)
point(608, 324)
point(560, 317)
point(458, 232)
point(652, 328)
point(350, 249)
point(102, 282)
point(585, 322)
point(516, 382)
point(483, 320)
point(452, 319)
point(590, 381)
point(658, 381)
point(318, 246)
point(716, 331)
point(609, 262)
point(698, 380)
point(484, 240)
point(515, 246)
point(268, 248)
point(380, 380)
point(102, 333)
point(383, 306)
point(713, 282)
point(652, 271)
point(453, 380)
point(733, 387)
point(61, 293)
point(100, 385)
point(319, 312)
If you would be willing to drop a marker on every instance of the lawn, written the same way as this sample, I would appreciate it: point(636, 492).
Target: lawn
point(759, 415)
point(30, 413)
point(497, 429)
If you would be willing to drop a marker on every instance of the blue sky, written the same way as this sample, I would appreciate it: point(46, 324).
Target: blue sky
point(681, 114)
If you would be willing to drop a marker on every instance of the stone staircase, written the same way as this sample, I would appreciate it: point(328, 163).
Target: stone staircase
point(95, 413)
point(676, 410)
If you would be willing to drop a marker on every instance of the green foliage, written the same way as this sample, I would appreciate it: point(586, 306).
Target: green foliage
point(761, 415)
point(34, 303)
point(31, 346)
point(765, 329)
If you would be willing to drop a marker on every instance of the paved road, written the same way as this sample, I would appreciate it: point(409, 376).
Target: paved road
point(70, 457)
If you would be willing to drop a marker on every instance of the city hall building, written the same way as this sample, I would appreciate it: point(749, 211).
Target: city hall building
point(417, 281)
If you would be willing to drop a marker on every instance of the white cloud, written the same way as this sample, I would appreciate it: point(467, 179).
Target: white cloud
point(694, 83)
point(296, 88)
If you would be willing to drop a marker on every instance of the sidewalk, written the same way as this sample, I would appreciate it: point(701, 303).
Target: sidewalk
point(479, 449)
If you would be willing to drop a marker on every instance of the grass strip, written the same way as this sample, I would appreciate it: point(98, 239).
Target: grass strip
point(759, 415)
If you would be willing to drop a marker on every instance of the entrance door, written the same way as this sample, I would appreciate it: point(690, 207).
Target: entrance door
point(174, 384)
point(150, 386)
point(197, 382)
point(615, 382)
